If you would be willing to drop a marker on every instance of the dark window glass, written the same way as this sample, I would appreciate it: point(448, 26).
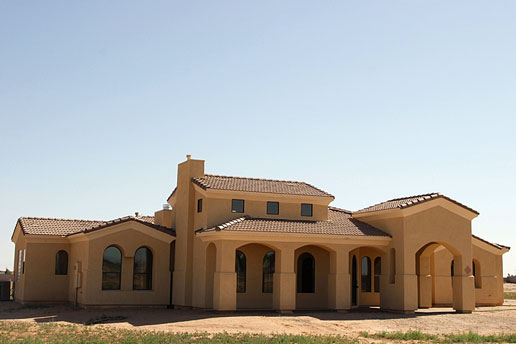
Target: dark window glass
point(142, 273)
point(240, 269)
point(61, 263)
point(199, 205)
point(377, 273)
point(306, 273)
point(111, 268)
point(306, 209)
point(273, 208)
point(237, 206)
point(452, 270)
point(268, 272)
point(366, 274)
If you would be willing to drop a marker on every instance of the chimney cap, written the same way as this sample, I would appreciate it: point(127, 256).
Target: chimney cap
point(188, 156)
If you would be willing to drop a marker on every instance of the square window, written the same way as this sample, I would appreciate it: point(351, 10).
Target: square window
point(199, 205)
point(273, 208)
point(306, 209)
point(237, 206)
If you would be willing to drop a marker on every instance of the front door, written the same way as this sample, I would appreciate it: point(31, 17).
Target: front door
point(354, 282)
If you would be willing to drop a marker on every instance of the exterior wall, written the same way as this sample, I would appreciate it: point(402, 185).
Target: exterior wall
point(219, 210)
point(441, 275)
point(488, 286)
point(128, 240)
point(41, 282)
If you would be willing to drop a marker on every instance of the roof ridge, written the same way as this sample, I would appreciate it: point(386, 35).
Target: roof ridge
point(255, 178)
point(342, 210)
point(56, 218)
point(414, 196)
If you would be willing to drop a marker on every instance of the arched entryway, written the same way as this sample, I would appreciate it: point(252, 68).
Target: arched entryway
point(366, 274)
point(254, 267)
point(436, 269)
point(312, 266)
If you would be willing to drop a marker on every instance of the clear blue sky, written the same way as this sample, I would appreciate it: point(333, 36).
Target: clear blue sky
point(368, 100)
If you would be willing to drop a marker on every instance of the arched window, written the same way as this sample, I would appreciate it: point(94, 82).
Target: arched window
point(268, 272)
point(306, 273)
point(377, 273)
point(240, 269)
point(61, 263)
point(477, 273)
point(142, 271)
point(366, 274)
point(111, 268)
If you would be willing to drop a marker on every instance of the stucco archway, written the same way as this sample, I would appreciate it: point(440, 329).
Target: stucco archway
point(312, 266)
point(440, 271)
point(255, 289)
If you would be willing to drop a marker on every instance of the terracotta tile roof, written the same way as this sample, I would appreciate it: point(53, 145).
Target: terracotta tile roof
point(406, 202)
point(339, 222)
point(66, 227)
point(498, 246)
point(210, 181)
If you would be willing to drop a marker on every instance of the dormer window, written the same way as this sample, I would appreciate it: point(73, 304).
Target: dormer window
point(237, 206)
point(272, 208)
point(306, 209)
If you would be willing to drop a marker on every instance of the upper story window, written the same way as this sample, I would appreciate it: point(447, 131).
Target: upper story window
point(272, 208)
point(237, 206)
point(306, 209)
point(199, 205)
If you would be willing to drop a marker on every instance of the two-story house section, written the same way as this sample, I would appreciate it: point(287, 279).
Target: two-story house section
point(232, 243)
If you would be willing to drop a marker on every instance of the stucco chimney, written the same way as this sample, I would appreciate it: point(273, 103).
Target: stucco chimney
point(188, 157)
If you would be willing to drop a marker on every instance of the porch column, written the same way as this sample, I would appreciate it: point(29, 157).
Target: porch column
point(284, 287)
point(224, 281)
point(425, 282)
point(463, 284)
point(339, 281)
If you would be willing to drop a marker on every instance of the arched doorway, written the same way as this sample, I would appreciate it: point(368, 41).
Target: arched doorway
point(435, 270)
point(312, 266)
point(254, 267)
point(366, 271)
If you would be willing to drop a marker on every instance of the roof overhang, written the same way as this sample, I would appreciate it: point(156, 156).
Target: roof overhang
point(253, 236)
point(490, 247)
point(118, 227)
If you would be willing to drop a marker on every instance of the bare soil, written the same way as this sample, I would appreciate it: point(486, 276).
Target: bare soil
point(484, 320)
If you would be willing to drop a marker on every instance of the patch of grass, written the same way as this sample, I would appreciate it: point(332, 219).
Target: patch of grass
point(510, 295)
point(410, 335)
point(469, 337)
point(31, 333)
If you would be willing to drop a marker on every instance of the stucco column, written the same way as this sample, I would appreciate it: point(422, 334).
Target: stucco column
point(425, 282)
point(284, 287)
point(463, 284)
point(224, 281)
point(339, 283)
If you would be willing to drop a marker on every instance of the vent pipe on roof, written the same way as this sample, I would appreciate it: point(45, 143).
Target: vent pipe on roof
point(136, 214)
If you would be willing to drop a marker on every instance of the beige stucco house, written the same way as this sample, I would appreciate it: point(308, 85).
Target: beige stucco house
point(228, 243)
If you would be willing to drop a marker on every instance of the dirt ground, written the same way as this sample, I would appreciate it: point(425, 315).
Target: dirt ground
point(484, 320)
